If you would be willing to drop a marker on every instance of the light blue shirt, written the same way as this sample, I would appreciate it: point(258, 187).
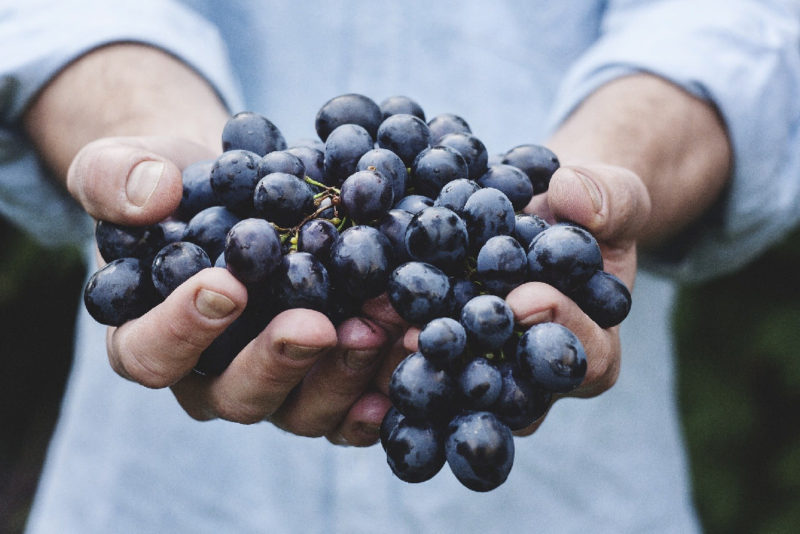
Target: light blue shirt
point(127, 459)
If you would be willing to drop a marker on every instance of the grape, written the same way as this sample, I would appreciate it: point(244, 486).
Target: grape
point(395, 105)
point(366, 196)
point(415, 451)
point(438, 236)
point(209, 228)
point(414, 203)
point(604, 298)
point(511, 181)
point(348, 109)
point(252, 251)
point(488, 320)
point(316, 237)
point(434, 167)
point(281, 161)
point(488, 213)
point(234, 176)
point(405, 135)
point(176, 263)
point(253, 132)
point(526, 227)
point(421, 391)
point(115, 241)
point(301, 281)
point(173, 230)
point(343, 148)
point(119, 291)
point(419, 292)
point(538, 162)
point(394, 225)
point(520, 403)
point(389, 165)
point(480, 383)
point(552, 356)
point(442, 341)
point(471, 148)
point(564, 256)
point(479, 450)
point(283, 199)
point(502, 265)
point(388, 423)
point(454, 194)
point(197, 192)
point(446, 123)
point(361, 262)
point(313, 161)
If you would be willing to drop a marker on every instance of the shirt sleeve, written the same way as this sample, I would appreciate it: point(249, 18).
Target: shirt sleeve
point(38, 39)
point(744, 57)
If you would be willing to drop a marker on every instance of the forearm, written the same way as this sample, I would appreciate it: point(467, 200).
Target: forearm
point(122, 90)
point(675, 142)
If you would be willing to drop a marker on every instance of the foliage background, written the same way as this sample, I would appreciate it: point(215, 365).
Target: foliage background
point(739, 382)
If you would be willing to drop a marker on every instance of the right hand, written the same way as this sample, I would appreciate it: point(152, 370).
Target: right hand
point(300, 372)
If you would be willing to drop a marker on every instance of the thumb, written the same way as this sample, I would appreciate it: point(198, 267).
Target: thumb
point(611, 202)
point(132, 180)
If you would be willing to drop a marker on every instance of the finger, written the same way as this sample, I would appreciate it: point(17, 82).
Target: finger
point(335, 382)
point(132, 180)
point(262, 375)
point(164, 344)
point(396, 353)
point(611, 202)
point(380, 311)
point(536, 302)
point(362, 424)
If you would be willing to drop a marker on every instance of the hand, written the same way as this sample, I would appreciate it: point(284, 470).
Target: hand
point(300, 371)
point(613, 204)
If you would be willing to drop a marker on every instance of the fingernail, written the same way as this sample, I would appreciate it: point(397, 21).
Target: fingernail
point(592, 190)
point(359, 359)
point(544, 316)
point(301, 352)
point(369, 430)
point(143, 180)
point(213, 305)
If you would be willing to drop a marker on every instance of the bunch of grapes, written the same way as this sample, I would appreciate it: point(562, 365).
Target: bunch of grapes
point(384, 202)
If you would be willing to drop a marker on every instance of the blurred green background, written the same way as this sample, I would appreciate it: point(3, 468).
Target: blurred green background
point(739, 382)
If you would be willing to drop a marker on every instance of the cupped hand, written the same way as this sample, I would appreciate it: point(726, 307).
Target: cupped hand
point(300, 372)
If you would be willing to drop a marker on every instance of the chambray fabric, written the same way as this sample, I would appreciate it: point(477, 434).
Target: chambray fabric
point(127, 459)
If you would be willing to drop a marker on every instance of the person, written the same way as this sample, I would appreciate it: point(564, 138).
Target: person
point(674, 121)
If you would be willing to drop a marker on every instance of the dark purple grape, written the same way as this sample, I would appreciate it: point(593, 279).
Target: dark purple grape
point(564, 256)
point(519, 403)
point(479, 450)
point(281, 161)
point(388, 164)
point(301, 281)
point(252, 251)
point(442, 341)
point(313, 161)
point(488, 213)
point(414, 203)
point(405, 135)
point(552, 356)
point(526, 227)
point(489, 322)
point(115, 241)
point(438, 236)
point(120, 291)
point(419, 292)
point(480, 383)
point(366, 196)
point(176, 263)
point(348, 109)
point(388, 423)
point(316, 237)
point(283, 199)
point(604, 298)
point(234, 176)
point(434, 167)
point(173, 230)
point(343, 148)
point(415, 451)
point(209, 228)
point(394, 225)
point(253, 132)
point(537, 161)
point(421, 391)
point(361, 262)
point(446, 123)
point(472, 149)
point(307, 142)
point(197, 192)
point(454, 195)
point(398, 104)
point(511, 181)
point(463, 291)
point(501, 265)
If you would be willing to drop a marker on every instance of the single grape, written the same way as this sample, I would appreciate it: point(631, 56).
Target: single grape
point(488, 213)
point(454, 194)
point(366, 196)
point(489, 322)
point(348, 109)
point(446, 123)
point(421, 391)
point(394, 225)
point(389, 165)
point(283, 199)
point(520, 403)
point(511, 181)
point(209, 229)
point(471, 148)
point(442, 341)
point(436, 166)
point(173, 230)
point(253, 132)
point(415, 451)
point(281, 161)
point(479, 450)
point(301, 281)
point(316, 237)
point(537, 161)
point(604, 298)
point(120, 291)
point(361, 261)
point(414, 203)
point(115, 241)
point(395, 105)
point(480, 383)
point(526, 227)
point(552, 356)
point(343, 148)
point(197, 192)
point(176, 263)
point(438, 236)
point(252, 251)
point(405, 135)
point(463, 290)
point(501, 265)
point(234, 175)
point(388, 423)
point(564, 256)
point(419, 292)
point(313, 160)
